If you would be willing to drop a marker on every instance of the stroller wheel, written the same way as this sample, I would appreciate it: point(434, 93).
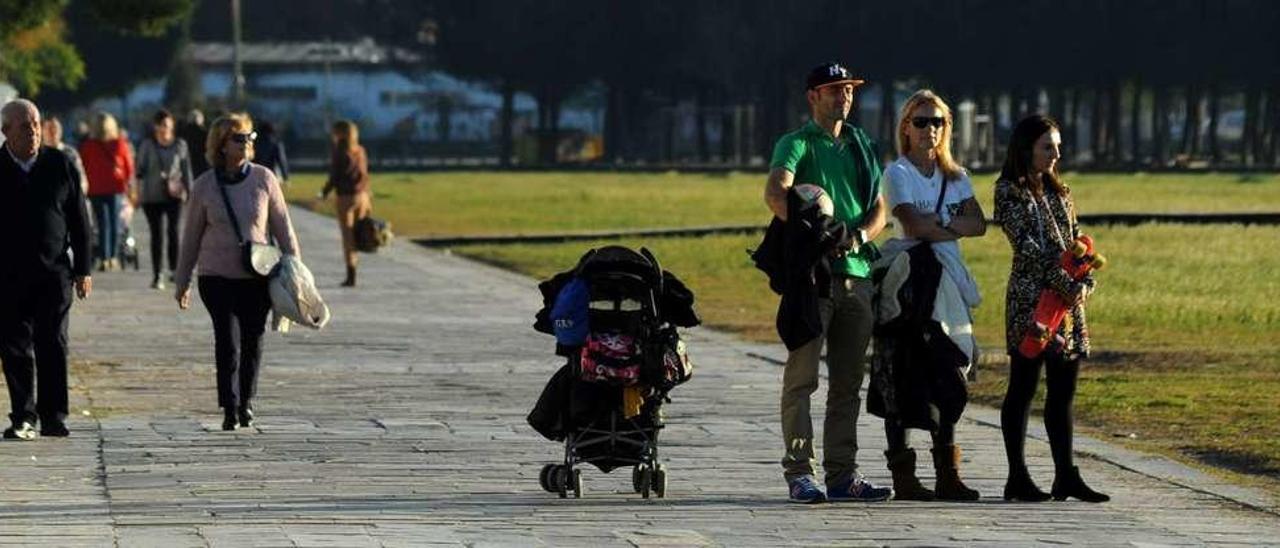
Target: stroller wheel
point(637, 478)
point(544, 478)
point(577, 484)
point(560, 478)
point(660, 481)
point(646, 482)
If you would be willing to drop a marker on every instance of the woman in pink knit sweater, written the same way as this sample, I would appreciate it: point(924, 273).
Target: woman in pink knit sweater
point(237, 299)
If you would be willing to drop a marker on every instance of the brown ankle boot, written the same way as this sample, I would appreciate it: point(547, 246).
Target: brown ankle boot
point(946, 462)
point(906, 486)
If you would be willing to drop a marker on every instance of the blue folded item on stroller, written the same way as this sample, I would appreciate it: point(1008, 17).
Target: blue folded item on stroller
point(569, 315)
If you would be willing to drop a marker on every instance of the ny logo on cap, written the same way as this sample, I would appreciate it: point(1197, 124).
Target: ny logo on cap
point(837, 70)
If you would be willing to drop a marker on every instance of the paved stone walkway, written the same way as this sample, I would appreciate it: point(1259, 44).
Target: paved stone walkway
point(402, 424)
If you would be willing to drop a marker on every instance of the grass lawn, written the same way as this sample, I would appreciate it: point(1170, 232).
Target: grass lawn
point(457, 203)
point(1185, 321)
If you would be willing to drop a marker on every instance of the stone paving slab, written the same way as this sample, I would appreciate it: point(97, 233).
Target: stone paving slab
point(402, 424)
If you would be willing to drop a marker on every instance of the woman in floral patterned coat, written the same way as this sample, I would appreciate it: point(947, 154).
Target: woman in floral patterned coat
point(1034, 208)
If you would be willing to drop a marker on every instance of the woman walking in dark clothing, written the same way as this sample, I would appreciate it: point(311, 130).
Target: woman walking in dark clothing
point(164, 177)
point(349, 178)
point(269, 152)
point(233, 191)
point(1035, 209)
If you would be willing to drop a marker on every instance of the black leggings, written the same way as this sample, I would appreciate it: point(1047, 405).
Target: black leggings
point(238, 309)
point(900, 439)
point(157, 214)
point(1060, 379)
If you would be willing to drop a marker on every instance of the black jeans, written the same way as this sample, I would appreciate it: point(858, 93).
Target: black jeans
point(899, 438)
point(239, 310)
point(1060, 380)
point(33, 347)
point(167, 214)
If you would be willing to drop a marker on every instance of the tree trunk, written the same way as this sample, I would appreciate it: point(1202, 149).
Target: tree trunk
point(704, 146)
point(1160, 126)
point(1215, 109)
point(1058, 108)
point(1251, 145)
point(728, 132)
point(992, 144)
point(1077, 100)
point(1191, 123)
point(548, 125)
point(1031, 98)
point(1273, 127)
point(612, 123)
point(1135, 124)
point(1096, 123)
point(1114, 108)
point(506, 140)
point(444, 110)
point(888, 119)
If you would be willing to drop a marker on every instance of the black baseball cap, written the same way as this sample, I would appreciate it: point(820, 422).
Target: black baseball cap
point(828, 74)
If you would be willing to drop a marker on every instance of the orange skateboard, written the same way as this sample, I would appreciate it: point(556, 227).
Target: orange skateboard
point(1077, 261)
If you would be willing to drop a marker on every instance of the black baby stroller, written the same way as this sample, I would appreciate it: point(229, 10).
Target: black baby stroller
point(615, 319)
point(128, 253)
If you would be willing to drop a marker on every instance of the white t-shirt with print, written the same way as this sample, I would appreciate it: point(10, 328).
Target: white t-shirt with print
point(903, 184)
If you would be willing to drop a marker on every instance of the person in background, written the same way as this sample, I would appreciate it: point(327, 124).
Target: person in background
point(164, 179)
point(269, 152)
point(349, 179)
point(237, 299)
point(109, 168)
point(51, 131)
point(81, 132)
point(192, 131)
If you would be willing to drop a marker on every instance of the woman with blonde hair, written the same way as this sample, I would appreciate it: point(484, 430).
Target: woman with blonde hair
point(108, 165)
point(932, 199)
point(349, 178)
point(232, 204)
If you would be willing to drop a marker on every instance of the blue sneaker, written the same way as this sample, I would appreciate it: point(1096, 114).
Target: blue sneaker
point(856, 489)
point(805, 490)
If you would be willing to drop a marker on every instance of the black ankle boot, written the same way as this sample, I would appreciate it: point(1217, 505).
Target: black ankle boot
point(1067, 483)
point(229, 419)
point(245, 414)
point(351, 277)
point(1020, 487)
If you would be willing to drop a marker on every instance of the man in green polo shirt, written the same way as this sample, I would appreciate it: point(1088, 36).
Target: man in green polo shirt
point(841, 159)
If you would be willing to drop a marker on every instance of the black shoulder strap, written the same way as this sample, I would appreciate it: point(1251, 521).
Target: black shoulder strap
point(235, 224)
point(937, 209)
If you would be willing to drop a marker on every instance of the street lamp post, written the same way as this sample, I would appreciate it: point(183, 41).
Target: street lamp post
point(237, 69)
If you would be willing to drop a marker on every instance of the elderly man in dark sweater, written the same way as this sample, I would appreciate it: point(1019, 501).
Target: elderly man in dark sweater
point(45, 251)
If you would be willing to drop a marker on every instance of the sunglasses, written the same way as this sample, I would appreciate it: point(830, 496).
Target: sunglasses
point(244, 138)
point(923, 121)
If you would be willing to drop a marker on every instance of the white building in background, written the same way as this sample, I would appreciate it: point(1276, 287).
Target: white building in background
point(302, 87)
